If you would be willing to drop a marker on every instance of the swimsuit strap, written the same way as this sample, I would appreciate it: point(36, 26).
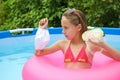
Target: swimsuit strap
point(68, 55)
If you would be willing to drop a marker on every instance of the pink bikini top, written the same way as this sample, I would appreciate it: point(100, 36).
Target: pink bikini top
point(82, 57)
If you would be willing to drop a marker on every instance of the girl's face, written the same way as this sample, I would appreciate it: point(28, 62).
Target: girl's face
point(69, 30)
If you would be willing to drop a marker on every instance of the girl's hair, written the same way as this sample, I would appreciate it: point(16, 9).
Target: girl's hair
point(76, 17)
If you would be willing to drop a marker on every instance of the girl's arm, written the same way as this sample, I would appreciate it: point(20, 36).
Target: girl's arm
point(106, 49)
point(110, 51)
point(55, 47)
point(42, 38)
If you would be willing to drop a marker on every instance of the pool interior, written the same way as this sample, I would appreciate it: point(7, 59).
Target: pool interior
point(15, 51)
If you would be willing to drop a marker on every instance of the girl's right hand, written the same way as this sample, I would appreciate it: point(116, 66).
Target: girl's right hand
point(37, 52)
point(43, 23)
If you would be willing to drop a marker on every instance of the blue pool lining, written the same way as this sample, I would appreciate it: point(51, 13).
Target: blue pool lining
point(7, 33)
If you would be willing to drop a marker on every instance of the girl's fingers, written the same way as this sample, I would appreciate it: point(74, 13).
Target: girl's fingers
point(43, 23)
point(37, 52)
point(96, 41)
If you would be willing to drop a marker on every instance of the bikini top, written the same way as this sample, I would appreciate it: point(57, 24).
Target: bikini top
point(81, 57)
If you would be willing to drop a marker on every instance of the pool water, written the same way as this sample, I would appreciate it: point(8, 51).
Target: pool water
point(15, 51)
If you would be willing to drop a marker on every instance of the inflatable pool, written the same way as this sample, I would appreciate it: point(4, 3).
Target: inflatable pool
point(51, 67)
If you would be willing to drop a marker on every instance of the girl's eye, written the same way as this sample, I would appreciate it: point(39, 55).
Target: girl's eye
point(65, 27)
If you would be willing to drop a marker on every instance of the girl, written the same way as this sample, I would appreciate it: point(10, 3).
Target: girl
point(78, 54)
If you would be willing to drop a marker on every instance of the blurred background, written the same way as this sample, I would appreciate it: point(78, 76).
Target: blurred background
point(27, 13)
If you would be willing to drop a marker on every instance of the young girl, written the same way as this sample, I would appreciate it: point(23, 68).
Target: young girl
point(78, 54)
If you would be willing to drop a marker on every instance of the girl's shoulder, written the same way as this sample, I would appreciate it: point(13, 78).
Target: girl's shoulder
point(63, 43)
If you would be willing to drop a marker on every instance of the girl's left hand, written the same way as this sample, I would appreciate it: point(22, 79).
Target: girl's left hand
point(96, 41)
point(94, 44)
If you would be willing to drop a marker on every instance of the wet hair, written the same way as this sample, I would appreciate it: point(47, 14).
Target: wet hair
point(76, 17)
